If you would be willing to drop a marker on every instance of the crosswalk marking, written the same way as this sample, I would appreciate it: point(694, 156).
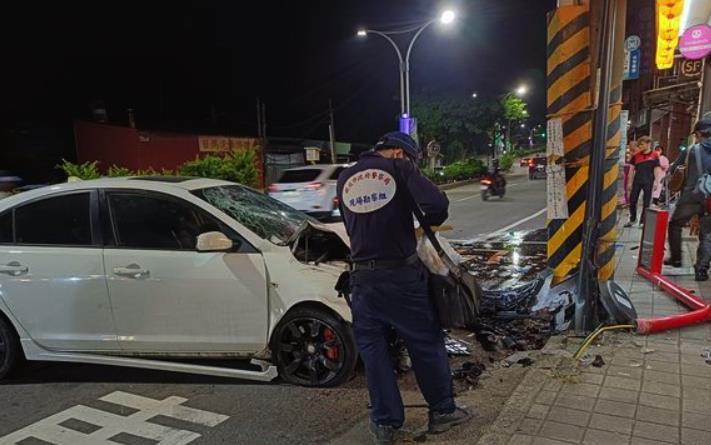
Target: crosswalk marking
point(110, 425)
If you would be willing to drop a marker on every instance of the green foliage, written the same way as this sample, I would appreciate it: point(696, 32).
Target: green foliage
point(514, 108)
point(235, 166)
point(116, 171)
point(87, 170)
point(456, 171)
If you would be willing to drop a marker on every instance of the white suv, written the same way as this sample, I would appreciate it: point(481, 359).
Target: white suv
point(311, 189)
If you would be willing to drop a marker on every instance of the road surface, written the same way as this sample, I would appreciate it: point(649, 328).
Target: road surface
point(46, 397)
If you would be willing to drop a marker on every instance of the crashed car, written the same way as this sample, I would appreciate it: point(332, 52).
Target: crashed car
point(156, 272)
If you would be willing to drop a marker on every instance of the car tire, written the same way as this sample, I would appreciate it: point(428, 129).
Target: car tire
point(313, 347)
point(10, 352)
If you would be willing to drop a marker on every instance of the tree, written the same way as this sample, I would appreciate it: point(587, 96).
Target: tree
point(461, 125)
point(514, 109)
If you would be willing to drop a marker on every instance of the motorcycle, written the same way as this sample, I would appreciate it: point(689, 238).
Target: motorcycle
point(492, 185)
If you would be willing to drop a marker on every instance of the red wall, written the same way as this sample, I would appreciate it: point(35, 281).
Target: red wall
point(131, 148)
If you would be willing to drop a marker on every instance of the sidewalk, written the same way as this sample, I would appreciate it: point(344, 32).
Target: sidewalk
point(652, 389)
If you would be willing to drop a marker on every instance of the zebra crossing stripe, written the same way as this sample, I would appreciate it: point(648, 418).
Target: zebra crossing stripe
point(54, 429)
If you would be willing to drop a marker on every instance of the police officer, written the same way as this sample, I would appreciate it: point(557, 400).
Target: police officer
point(389, 283)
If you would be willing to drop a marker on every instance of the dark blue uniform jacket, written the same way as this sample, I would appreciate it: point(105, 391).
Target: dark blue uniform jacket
point(377, 211)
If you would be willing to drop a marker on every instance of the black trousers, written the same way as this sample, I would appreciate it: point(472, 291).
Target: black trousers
point(638, 188)
point(686, 208)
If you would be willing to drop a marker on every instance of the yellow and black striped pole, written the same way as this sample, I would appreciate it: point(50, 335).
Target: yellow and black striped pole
point(570, 100)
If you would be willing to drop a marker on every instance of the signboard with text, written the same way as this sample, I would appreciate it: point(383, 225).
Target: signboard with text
point(557, 199)
point(695, 43)
point(633, 56)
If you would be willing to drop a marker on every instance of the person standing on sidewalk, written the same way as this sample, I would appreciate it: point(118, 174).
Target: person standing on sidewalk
point(644, 163)
point(691, 204)
point(659, 174)
point(389, 283)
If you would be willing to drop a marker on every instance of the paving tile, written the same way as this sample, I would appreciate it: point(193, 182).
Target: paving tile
point(529, 426)
point(661, 389)
point(696, 406)
point(597, 437)
point(570, 416)
point(668, 357)
point(654, 365)
point(695, 437)
point(659, 401)
point(561, 431)
point(613, 408)
point(546, 441)
point(593, 379)
point(626, 361)
point(696, 421)
point(696, 382)
point(691, 393)
point(611, 423)
point(619, 395)
point(654, 431)
point(546, 397)
point(641, 441)
point(521, 439)
point(662, 377)
point(629, 372)
point(658, 415)
point(692, 359)
point(663, 347)
point(695, 348)
point(575, 401)
point(698, 371)
point(581, 389)
point(621, 382)
point(538, 411)
point(552, 385)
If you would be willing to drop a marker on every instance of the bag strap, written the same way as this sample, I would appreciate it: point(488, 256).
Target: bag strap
point(453, 268)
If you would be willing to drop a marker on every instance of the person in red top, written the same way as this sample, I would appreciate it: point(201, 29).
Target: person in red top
point(644, 162)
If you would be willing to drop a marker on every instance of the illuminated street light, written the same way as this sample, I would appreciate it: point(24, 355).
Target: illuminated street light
point(474, 95)
point(447, 17)
point(362, 33)
point(523, 125)
point(522, 90)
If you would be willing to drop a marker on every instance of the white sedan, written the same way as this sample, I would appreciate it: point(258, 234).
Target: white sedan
point(152, 272)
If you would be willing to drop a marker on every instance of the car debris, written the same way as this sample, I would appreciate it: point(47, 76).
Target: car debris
point(469, 372)
point(599, 362)
point(455, 346)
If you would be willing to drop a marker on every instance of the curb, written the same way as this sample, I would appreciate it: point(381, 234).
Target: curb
point(454, 185)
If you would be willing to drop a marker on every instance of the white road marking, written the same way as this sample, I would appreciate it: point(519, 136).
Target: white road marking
point(519, 222)
point(110, 425)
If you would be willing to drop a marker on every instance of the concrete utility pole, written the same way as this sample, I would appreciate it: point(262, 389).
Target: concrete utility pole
point(332, 132)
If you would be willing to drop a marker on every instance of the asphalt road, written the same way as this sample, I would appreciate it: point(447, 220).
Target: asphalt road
point(233, 412)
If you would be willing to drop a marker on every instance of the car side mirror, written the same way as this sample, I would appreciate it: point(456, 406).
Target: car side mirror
point(213, 242)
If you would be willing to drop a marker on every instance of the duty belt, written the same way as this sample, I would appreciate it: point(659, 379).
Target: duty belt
point(384, 264)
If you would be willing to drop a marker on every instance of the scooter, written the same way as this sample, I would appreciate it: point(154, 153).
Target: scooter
point(492, 185)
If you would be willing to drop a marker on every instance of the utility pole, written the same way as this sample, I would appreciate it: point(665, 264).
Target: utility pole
point(332, 133)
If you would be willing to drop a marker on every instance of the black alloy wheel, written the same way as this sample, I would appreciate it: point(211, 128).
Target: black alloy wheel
point(314, 348)
point(9, 348)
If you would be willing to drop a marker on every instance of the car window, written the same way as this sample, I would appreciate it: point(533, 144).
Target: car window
point(156, 222)
point(62, 220)
point(6, 235)
point(336, 173)
point(306, 175)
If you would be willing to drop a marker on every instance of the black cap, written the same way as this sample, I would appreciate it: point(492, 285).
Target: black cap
point(703, 125)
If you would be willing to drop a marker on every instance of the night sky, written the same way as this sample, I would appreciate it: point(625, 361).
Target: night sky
point(199, 66)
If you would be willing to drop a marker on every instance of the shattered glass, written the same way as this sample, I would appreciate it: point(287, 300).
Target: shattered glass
point(265, 216)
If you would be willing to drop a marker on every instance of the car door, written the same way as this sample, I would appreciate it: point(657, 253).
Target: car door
point(169, 298)
point(52, 275)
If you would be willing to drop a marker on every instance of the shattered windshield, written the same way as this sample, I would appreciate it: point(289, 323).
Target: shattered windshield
point(265, 216)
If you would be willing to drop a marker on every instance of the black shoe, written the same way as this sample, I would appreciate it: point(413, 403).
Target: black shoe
point(629, 224)
point(672, 263)
point(383, 434)
point(701, 275)
point(439, 423)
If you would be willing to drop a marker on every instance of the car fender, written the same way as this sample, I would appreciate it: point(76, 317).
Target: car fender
point(7, 313)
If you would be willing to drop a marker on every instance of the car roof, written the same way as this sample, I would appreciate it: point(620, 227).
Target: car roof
point(155, 183)
point(318, 167)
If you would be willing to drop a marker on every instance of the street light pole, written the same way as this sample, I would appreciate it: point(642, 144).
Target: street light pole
point(407, 64)
point(399, 58)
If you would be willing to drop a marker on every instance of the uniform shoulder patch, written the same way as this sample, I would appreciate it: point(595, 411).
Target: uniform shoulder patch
point(368, 190)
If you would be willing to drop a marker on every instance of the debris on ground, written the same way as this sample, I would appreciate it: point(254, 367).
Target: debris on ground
point(525, 362)
point(599, 362)
point(707, 356)
point(646, 351)
point(469, 372)
point(455, 346)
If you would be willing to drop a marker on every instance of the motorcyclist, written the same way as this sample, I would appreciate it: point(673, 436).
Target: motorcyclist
point(494, 172)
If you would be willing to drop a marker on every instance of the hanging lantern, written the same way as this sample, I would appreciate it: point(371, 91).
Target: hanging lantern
point(668, 23)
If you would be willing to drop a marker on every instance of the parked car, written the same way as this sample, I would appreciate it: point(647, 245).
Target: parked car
point(311, 189)
point(141, 272)
point(537, 168)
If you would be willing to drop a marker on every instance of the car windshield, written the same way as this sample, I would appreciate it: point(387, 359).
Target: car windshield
point(265, 216)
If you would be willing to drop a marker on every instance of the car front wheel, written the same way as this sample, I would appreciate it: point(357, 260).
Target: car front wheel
point(312, 347)
point(9, 348)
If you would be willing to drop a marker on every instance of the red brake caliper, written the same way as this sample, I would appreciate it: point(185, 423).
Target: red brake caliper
point(331, 351)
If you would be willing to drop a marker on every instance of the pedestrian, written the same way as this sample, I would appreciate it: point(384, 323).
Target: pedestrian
point(644, 163)
point(691, 203)
point(631, 150)
point(389, 283)
point(659, 174)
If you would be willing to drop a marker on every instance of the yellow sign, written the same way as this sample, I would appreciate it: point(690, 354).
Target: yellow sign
point(668, 23)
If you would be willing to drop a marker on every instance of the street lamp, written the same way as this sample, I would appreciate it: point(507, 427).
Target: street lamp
point(446, 18)
point(521, 90)
point(474, 95)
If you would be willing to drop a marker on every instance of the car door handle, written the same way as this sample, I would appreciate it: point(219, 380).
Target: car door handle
point(131, 271)
point(14, 268)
